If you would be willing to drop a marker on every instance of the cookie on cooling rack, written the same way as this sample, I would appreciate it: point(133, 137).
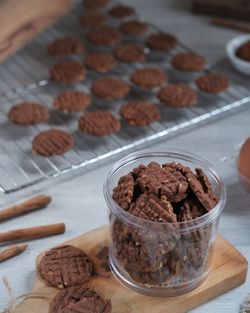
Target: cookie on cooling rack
point(140, 113)
point(71, 101)
point(65, 46)
point(110, 88)
point(134, 28)
point(95, 4)
point(52, 142)
point(105, 36)
point(28, 113)
point(93, 19)
point(100, 62)
point(188, 62)
point(99, 123)
point(161, 41)
point(178, 96)
point(120, 11)
point(148, 77)
point(129, 53)
point(213, 83)
point(67, 72)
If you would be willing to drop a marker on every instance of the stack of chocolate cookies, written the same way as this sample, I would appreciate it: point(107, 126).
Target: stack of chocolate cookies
point(70, 269)
point(161, 242)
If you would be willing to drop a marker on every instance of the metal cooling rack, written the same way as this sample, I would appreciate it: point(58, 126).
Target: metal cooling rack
point(25, 78)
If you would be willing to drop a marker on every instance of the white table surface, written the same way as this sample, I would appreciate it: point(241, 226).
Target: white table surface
point(78, 200)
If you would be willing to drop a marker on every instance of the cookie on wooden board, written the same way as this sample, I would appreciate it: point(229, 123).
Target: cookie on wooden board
point(79, 300)
point(67, 72)
point(65, 266)
point(100, 258)
point(70, 101)
point(99, 123)
point(52, 142)
point(65, 46)
point(28, 113)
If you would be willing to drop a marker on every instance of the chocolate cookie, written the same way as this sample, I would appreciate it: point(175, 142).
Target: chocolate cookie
point(100, 62)
point(188, 62)
point(178, 96)
point(149, 207)
point(66, 46)
point(206, 185)
point(140, 113)
point(134, 28)
point(105, 36)
point(99, 123)
point(196, 242)
point(79, 300)
point(129, 53)
point(65, 266)
point(191, 209)
point(123, 192)
point(208, 200)
point(162, 181)
point(158, 277)
point(243, 52)
point(121, 10)
point(52, 142)
point(100, 260)
point(148, 78)
point(213, 83)
point(67, 72)
point(161, 41)
point(93, 19)
point(95, 4)
point(72, 101)
point(28, 113)
point(109, 88)
point(135, 250)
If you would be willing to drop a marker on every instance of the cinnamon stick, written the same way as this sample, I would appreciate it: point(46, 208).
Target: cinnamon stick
point(27, 206)
point(227, 24)
point(32, 232)
point(12, 252)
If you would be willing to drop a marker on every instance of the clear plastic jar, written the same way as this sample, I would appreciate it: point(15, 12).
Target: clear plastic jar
point(161, 259)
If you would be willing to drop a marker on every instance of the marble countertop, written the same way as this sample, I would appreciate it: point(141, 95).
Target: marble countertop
point(78, 199)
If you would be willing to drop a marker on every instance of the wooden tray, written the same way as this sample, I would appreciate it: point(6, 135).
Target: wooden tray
point(229, 269)
point(22, 20)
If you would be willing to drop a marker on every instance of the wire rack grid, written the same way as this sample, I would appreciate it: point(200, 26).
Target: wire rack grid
point(24, 78)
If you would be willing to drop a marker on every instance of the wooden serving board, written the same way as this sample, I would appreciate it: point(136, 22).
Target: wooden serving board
point(229, 269)
point(21, 20)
